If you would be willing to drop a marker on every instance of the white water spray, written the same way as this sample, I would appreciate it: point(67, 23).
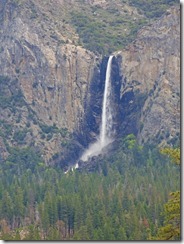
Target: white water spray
point(106, 126)
point(106, 130)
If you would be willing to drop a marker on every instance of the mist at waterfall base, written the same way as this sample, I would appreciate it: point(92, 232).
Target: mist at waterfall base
point(95, 149)
point(106, 129)
point(107, 132)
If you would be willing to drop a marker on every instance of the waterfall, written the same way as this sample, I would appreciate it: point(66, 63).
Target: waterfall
point(106, 128)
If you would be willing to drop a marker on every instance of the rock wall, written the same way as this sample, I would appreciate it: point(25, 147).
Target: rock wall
point(150, 90)
point(52, 74)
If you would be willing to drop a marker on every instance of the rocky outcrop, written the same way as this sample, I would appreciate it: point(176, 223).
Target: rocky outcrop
point(150, 91)
point(52, 74)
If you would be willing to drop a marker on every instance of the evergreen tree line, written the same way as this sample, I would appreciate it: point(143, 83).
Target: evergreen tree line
point(122, 200)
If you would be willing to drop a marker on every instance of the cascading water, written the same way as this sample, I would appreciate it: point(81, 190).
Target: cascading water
point(106, 126)
point(106, 130)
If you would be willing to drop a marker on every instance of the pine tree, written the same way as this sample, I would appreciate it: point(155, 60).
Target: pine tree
point(171, 228)
point(7, 207)
point(19, 204)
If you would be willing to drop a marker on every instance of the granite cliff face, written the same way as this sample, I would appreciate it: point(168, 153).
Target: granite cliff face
point(51, 88)
point(51, 75)
point(150, 91)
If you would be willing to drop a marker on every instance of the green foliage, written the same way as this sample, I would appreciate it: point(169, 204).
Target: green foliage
point(10, 95)
point(130, 141)
point(122, 201)
point(6, 129)
point(7, 207)
point(48, 132)
point(107, 30)
point(22, 159)
point(173, 153)
point(20, 135)
point(153, 9)
point(103, 35)
point(53, 129)
point(171, 228)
